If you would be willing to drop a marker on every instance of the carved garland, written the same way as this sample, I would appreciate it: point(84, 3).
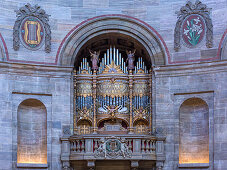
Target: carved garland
point(29, 11)
point(189, 9)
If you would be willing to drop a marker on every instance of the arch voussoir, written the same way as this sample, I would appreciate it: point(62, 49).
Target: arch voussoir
point(141, 32)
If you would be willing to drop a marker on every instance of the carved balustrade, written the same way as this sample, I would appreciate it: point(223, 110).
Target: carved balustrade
point(126, 147)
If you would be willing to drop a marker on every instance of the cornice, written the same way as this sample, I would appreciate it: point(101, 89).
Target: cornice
point(35, 70)
point(190, 69)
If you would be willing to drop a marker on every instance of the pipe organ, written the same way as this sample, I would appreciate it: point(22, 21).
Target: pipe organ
point(112, 98)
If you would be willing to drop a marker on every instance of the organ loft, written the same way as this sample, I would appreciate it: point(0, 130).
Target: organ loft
point(113, 110)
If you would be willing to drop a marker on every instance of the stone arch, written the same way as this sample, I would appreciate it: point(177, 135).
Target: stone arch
point(115, 23)
point(3, 49)
point(223, 46)
point(194, 131)
point(32, 132)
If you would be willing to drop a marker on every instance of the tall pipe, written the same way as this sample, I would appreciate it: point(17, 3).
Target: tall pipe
point(111, 57)
point(114, 55)
point(117, 57)
point(122, 64)
point(105, 58)
point(108, 57)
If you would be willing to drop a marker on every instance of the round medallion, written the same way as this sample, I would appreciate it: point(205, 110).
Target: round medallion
point(113, 145)
point(32, 33)
point(193, 30)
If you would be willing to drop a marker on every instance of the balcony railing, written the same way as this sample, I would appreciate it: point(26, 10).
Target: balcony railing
point(127, 147)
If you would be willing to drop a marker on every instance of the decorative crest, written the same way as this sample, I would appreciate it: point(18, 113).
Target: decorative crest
point(31, 28)
point(192, 21)
point(113, 147)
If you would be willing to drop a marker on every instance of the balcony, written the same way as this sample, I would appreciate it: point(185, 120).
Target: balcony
point(131, 147)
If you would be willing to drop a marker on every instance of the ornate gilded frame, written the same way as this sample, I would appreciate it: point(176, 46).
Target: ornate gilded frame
point(29, 11)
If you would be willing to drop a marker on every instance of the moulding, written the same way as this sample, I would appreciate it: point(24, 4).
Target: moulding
point(200, 92)
point(38, 70)
point(40, 94)
point(31, 165)
point(194, 165)
point(190, 69)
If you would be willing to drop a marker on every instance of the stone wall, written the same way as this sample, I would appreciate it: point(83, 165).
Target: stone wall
point(176, 84)
point(65, 15)
point(51, 86)
point(27, 74)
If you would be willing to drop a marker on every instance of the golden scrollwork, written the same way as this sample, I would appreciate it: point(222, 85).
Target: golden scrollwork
point(140, 89)
point(113, 88)
point(140, 71)
point(112, 68)
point(84, 89)
point(84, 114)
point(141, 113)
point(84, 72)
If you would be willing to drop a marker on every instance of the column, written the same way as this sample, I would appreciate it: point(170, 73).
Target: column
point(75, 129)
point(150, 96)
point(65, 148)
point(94, 102)
point(130, 102)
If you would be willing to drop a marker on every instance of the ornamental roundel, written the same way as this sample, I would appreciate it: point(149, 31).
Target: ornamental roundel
point(193, 30)
point(193, 25)
point(32, 33)
point(31, 28)
point(113, 145)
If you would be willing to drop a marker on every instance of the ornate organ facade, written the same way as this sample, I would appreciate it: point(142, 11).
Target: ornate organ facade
point(112, 114)
point(112, 95)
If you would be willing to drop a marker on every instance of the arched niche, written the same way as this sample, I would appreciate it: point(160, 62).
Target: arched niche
point(32, 132)
point(194, 131)
point(118, 25)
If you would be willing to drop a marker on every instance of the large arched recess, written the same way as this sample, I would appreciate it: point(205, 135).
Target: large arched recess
point(140, 31)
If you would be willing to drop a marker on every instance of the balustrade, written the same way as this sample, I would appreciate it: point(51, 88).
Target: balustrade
point(129, 146)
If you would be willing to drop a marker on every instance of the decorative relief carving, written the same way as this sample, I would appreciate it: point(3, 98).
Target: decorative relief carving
point(140, 89)
point(66, 130)
point(85, 114)
point(32, 28)
point(84, 88)
point(193, 21)
point(112, 68)
point(141, 113)
point(113, 88)
point(113, 147)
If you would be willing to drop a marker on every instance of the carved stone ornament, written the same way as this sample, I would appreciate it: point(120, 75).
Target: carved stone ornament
point(32, 28)
point(113, 147)
point(66, 130)
point(193, 24)
point(66, 165)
